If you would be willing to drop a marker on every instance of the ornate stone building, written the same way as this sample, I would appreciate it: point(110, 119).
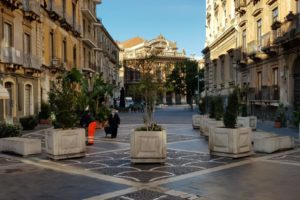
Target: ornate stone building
point(41, 39)
point(20, 58)
point(264, 50)
point(137, 49)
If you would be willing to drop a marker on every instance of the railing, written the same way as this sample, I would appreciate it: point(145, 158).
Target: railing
point(32, 5)
point(89, 36)
point(11, 55)
point(267, 93)
point(253, 47)
point(88, 7)
point(31, 61)
point(239, 4)
point(266, 40)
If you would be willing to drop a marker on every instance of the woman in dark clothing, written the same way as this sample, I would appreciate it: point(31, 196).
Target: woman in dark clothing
point(113, 124)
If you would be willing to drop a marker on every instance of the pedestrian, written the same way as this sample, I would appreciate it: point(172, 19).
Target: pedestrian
point(113, 124)
point(88, 122)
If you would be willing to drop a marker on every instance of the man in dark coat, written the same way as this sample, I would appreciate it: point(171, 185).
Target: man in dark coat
point(113, 124)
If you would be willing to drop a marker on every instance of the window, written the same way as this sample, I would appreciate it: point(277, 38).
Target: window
point(244, 44)
point(84, 59)
point(64, 8)
point(9, 102)
point(231, 75)
point(259, 37)
point(64, 50)
point(52, 46)
point(74, 56)
point(27, 44)
point(274, 19)
point(275, 76)
point(222, 70)
point(215, 71)
point(74, 13)
point(27, 100)
point(7, 33)
point(259, 81)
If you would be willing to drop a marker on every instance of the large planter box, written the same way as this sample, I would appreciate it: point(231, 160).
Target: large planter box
point(205, 125)
point(202, 123)
point(21, 146)
point(228, 142)
point(249, 121)
point(148, 147)
point(196, 121)
point(213, 124)
point(63, 144)
point(273, 143)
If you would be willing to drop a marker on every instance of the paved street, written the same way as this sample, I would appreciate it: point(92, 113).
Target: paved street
point(189, 173)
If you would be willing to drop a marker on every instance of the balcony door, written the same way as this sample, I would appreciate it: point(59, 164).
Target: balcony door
point(297, 83)
point(28, 100)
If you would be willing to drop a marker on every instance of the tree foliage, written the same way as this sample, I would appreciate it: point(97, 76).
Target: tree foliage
point(231, 112)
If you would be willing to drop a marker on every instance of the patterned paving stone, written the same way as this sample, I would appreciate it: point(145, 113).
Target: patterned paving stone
point(8, 161)
point(292, 158)
point(117, 163)
point(146, 195)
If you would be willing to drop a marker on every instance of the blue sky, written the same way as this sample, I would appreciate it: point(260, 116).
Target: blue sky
point(182, 21)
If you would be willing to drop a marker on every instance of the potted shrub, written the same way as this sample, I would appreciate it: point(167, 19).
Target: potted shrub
point(66, 140)
point(276, 25)
point(231, 141)
point(197, 118)
point(28, 122)
point(149, 142)
point(280, 120)
point(44, 114)
point(9, 130)
point(219, 111)
point(212, 115)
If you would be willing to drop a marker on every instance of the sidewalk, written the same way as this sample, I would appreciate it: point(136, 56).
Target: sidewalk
point(190, 172)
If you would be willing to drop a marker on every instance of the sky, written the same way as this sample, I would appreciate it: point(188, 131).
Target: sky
point(182, 21)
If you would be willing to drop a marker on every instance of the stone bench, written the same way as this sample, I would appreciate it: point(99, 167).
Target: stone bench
point(21, 146)
point(273, 143)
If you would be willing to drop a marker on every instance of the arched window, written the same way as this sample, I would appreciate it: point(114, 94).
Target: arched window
point(28, 100)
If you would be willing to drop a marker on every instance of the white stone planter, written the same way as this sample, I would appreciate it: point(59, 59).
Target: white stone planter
point(63, 144)
point(228, 142)
point(148, 146)
point(196, 121)
point(249, 121)
point(21, 146)
point(205, 124)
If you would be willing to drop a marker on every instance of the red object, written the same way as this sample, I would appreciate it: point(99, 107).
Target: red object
point(91, 132)
point(277, 124)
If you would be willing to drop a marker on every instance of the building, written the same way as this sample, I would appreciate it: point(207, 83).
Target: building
point(60, 36)
point(137, 49)
point(265, 48)
point(42, 39)
point(20, 58)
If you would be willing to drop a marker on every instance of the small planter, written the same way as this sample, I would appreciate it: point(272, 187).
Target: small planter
point(250, 121)
point(290, 17)
point(277, 124)
point(148, 147)
point(205, 129)
point(229, 142)
point(197, 121)
point(64, 144)
point(276, 25)
point(45, 121)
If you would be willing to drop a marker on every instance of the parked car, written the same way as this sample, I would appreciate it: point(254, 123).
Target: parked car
point(128, 102)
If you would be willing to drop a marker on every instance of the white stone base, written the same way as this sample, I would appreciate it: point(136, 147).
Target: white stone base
point(273, 143)
point(148, 147)
point(196, 121)
point(21, 146)
point(211, 125)
point(230, 142)
point(64, 144)
point(250, 121)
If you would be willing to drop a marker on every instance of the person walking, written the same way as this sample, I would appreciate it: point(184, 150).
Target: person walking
point(113, 124)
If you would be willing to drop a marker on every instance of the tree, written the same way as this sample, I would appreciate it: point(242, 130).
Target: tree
point(231, 112)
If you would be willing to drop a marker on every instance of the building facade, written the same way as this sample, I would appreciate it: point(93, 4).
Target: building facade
point(137, 49)
point(20, 58)
point(264, 50)
point(42, 39)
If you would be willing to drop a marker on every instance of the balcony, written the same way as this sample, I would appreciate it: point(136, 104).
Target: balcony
point(10, 55)
point(88, 9)
point(12, 4)
point(32, 9)
point(31, 61)
point(240, 6)
point(267, 45)
point(53, 10)
point(268, 94)
point(88, 39)
point(97, 1)
point(253, 50)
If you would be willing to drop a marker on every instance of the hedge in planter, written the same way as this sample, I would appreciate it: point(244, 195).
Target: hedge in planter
point(219, 110)
point(29, 122)
point(9, 130)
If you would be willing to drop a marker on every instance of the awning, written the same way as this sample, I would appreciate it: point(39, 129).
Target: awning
point(3, 93)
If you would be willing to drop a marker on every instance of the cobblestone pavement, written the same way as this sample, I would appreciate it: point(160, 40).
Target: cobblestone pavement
point(190, 172)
